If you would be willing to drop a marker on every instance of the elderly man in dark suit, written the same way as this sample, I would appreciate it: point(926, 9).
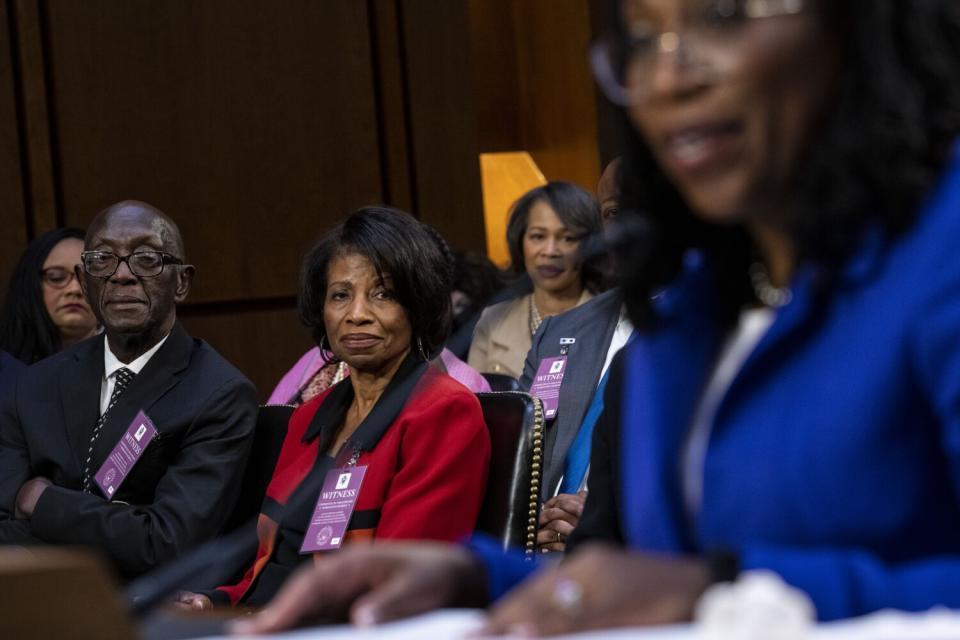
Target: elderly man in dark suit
point(69, 412)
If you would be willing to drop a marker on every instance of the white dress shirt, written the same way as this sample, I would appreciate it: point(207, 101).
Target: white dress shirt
point(620, 336)
point(111, 365)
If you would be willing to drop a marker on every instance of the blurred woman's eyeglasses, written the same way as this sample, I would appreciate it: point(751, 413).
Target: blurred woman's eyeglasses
point(57, 277)
point(624, 64)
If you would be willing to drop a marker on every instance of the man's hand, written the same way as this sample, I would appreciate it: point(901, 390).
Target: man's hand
point(598, 587)
point(28, 496)
point(190, 601)
point(374, 584)
point(558, 518)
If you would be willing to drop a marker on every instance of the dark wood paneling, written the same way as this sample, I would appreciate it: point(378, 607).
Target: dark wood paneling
point(33, 116)
point(256, 125)
point(602, 20)
point(442, 119)
point(252, 123)
point(12, 208)
point(558, 101)
point(493, 64)
point(391, 90)
point(264, 344)
point(534, 89)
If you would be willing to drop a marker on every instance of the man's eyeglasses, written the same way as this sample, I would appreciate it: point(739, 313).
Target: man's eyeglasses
point(624, 64)
point(57, 277)
point(143, 264)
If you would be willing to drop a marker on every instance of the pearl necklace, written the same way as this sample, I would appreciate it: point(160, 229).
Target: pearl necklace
point(763, 289)
point(534, 318)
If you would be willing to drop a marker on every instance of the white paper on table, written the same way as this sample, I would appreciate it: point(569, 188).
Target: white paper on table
point(453, 624)
point(936, 624)
point(448, 623)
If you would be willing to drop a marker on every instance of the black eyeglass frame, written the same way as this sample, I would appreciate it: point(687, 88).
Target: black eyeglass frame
point(165, 259)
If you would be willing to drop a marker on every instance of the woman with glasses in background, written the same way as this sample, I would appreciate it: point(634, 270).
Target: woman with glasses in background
point(44, 310)
point(790, 209)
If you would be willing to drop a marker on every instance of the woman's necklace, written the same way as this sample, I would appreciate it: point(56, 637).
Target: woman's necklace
point(765, 291)
point(534, 316)
point(341, 372)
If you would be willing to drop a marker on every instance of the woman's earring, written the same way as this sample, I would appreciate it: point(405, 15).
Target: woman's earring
point(326, 353)
point(423, 354)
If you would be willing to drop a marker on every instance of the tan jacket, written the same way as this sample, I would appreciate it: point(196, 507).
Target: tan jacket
point(501, 339)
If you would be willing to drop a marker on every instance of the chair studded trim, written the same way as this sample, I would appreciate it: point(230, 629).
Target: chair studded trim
point(123, 378)
point(511, 505)
point(536, 463)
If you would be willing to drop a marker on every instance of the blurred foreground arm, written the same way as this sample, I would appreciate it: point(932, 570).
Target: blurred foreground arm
point(374, 584)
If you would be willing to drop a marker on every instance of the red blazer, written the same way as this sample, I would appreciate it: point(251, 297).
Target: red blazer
point(425, 476)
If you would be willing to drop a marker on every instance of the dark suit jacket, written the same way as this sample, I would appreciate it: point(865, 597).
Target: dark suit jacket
point(592, 324)
point(10, 368)
point(183, 487)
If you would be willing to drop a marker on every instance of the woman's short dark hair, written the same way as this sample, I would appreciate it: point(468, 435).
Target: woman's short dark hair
point(26, 330)
point(895, 119)
point(399, 246)
point(577, 209)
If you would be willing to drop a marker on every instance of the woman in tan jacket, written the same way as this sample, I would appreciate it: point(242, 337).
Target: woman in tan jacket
point(547, 228)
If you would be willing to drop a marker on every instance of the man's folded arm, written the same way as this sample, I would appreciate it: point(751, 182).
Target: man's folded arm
point(14, 471)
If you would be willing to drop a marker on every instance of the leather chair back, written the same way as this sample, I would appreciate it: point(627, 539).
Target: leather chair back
point(268, 437)
point(241, 527)
point(511, 506)
point(502, 382)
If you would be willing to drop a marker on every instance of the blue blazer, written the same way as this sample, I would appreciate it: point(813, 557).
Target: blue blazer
point(834, 458)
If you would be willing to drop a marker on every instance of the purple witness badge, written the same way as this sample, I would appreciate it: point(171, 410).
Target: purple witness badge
point(126, 454)
point(338, 497)
point(546, 384)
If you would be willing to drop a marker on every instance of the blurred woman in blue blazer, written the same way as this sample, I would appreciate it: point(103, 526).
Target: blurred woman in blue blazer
point(790, 212)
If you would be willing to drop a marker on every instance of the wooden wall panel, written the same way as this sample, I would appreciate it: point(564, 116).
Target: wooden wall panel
point(443, 129)
point(533, 84)
point(264, 344)
point(252, 123)
point(34, 117)
point(12, 206)
point(559, 101)
point(391, 89)
point(493, 46)
point(256, 125)
point(602, 20)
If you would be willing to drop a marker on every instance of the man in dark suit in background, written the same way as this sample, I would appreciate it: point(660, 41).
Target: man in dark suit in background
point(589, 336)
point(69, 412)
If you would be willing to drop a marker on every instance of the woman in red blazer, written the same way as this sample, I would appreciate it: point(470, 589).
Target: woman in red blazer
point(375, 292)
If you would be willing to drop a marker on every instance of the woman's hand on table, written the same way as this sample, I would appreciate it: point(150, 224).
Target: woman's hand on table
point(598, 587)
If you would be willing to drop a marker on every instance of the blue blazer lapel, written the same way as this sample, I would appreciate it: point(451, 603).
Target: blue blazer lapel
point(807, 288)
point(664, 373)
